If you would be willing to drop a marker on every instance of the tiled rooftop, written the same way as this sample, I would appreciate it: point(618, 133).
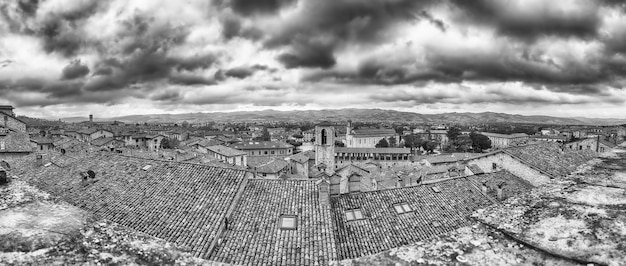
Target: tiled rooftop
point(368, 132)
point(549, 158)
point(254, 236)
point(179, 202)
point(303, 157)
point(251, 145)
point(226, 151)
point(272, 167)
point(101, 141)
point(434, 213)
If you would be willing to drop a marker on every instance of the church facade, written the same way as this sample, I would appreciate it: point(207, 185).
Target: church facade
point(368, 138)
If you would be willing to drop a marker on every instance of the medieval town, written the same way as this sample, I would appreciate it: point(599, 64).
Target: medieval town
point(302, 132)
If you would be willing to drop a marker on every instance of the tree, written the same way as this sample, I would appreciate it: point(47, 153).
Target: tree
point(453, 133)
point(480, 142)
point(265, 136)
point(413, 141)
point(382, 143)
point(392, 141)
point(462, 143)
point(429, 146)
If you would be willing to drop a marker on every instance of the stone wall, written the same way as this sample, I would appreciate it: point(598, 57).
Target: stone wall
point(12, 123)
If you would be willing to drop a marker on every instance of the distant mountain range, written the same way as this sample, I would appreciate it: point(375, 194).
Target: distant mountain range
point(342, 115)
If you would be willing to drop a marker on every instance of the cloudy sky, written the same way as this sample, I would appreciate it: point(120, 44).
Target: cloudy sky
point(70, 58)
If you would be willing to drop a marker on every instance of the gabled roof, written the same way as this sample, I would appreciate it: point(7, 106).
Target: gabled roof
point(608, 143)
point(103, 141)
point(254, 235)
point(42, 141)
point(549, 159)
point(373, 132)
point(179, 202)
point(303, 157)
point(253, 145)
point(475, 169)
point(90, 131)
point(226, 151)
point(506, 136)
point(272, 167)
point(433, 213)
point(352, 168)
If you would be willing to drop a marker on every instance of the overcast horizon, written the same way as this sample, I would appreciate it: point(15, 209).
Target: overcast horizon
point(115, 58)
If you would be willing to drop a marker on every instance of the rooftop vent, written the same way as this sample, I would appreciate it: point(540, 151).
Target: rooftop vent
point(436, 189)
point(91, 174)
point(145, 168)
point(47, 164)
point(5, 165)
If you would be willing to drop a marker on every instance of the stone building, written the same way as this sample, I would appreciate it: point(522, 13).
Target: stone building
point(9, 121)
point(500, 141)
point(368, 138)
point(265, 148)
point(228, 155)
point(325, 147)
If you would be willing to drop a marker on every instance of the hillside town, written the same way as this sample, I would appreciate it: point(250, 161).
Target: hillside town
point(315, 193)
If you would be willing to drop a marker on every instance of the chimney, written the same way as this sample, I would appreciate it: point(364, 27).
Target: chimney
point(335, 185)
point(91, 118)
point(323, 190)
point(354, 183)
point(499, 193)
point(483, 188)
point(39, 160)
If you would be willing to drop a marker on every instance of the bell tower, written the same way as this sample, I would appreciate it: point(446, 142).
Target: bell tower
point(325, 146)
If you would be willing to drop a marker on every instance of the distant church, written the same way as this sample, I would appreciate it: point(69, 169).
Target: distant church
point(368, 137)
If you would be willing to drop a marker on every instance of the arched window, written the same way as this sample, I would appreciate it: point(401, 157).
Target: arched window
point(324, 136)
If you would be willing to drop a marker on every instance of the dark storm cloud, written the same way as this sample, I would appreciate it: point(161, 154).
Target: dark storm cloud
point(144, 58)
point(252, 7)
point(59, 31)
point(307, 53)
point(239, 72)
point(62, 89)
point(166, 96)
point(74, 70)
point(545, 20)
point(188, 79)
point(324, 25)
point(29, 7)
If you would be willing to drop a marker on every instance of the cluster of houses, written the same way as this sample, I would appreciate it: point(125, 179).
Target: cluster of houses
point(331, 203)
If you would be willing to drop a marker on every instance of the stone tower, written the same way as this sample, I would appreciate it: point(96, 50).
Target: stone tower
point(325, 147)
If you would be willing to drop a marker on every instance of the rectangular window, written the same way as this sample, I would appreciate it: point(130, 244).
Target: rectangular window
point(2, 145)
point(288, 222)
point(353, 215)
point(402, 208)
point(272, 152)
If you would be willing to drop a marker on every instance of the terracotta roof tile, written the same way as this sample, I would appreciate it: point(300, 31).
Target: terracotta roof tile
point(254, 235)
point(179, 202)
point(433, 214)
